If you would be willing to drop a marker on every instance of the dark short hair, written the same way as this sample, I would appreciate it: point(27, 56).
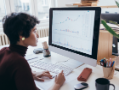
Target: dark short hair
point(17, 24)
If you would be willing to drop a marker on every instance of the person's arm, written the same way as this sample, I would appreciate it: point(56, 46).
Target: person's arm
point(22, 76)
point(59, 80)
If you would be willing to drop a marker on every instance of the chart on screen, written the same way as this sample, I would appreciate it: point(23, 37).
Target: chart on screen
point(73, 30)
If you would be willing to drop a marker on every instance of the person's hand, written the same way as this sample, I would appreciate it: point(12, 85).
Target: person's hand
point(59, 80)
point(38, 75)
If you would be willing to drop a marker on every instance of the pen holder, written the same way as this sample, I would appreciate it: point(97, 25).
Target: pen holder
point(109, 72)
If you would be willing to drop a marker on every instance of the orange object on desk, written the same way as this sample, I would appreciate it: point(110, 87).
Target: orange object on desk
point(84, 75)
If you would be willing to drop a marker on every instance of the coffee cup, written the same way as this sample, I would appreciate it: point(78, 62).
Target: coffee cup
point(103, 84)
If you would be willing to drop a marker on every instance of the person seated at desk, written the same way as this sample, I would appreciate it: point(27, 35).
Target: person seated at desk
point(15, 72)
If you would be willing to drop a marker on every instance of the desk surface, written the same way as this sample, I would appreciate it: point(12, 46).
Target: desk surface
point(71, 79)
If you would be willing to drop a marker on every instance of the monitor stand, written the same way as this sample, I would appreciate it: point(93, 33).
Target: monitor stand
point(65, 61)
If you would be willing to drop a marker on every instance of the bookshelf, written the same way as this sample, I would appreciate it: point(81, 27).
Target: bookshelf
point(87, 3)
point(92, 3)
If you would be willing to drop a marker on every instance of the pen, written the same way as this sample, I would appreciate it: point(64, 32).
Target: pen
point(101, 60)
point(113, 63)
point(110, 62)
point(104, 63)
point(107, 64)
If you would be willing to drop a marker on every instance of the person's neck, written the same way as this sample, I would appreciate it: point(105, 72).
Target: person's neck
point(21, 44)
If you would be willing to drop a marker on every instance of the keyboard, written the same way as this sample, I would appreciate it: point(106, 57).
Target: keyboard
point(51, 67)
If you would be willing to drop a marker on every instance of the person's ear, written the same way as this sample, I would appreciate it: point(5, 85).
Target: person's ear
point(22, 38)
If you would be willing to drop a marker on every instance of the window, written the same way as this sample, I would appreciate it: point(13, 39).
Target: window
point(22, 6)
point(38, 8)
point(2, 10)
point(43, 9)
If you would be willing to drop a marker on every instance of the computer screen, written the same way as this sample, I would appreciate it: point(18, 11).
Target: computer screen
point(74, 32)
point(66, 32)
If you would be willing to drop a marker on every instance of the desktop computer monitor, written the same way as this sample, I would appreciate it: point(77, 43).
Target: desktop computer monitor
point(74, 32)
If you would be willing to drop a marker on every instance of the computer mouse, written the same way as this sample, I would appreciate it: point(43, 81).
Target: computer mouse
point(81, 86)
point(38, 50)
point(85, 84)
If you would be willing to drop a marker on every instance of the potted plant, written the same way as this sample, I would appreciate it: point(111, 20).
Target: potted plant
point(108, 28)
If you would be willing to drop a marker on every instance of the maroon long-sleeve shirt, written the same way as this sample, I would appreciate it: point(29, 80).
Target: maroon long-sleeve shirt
point(15, 72)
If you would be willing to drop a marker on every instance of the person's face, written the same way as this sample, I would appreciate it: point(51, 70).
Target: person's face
point(32, 39)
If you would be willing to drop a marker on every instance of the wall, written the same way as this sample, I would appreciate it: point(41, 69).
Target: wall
point(108, 3)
